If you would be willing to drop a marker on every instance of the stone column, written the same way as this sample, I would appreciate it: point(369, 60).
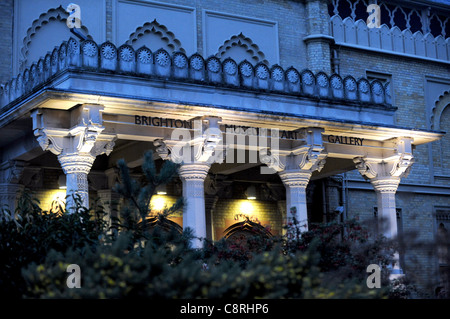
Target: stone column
point(109, 198)
point(385, 190)
point(385, 176)
point(77, 143)
point(296, 170)
point(296, 183)
point(76, 167)
point(10, 175)
point(193, 176)
point(195, 155)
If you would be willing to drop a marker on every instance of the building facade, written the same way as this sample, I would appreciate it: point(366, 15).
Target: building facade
point(266, 105)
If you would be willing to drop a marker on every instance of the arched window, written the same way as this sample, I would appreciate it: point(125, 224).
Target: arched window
point(443, 251)
point(440, 121)
point(442, 244)
point(45, 33)
point(155, 36)
point(240, 48)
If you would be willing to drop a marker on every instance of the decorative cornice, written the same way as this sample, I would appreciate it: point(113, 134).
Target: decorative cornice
point(88, 55)
point(318, 37)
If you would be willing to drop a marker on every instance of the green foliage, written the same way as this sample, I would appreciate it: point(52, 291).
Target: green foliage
point(150, 259)
point(136, 209)
point(158, 272)
point(32, 233)
point(344, 248)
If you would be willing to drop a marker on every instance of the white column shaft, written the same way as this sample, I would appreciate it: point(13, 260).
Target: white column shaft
point(77, 185)
point(387, 213)
point(385, 189)
point(296, 182)
point(194, 217)
point(76, 167)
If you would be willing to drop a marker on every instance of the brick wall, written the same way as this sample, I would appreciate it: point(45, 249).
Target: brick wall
point(418, 227)
point(230, 211)
point(290, 16)
point(6, 27)
point(408, 93)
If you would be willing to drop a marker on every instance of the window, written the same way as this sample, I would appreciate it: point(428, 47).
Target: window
point(442, 250)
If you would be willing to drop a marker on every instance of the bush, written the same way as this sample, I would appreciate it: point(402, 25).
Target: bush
point(153, 260)
point(157, 272)
point(31, 234)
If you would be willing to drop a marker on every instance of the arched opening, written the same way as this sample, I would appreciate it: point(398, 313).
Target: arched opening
point(243, 230)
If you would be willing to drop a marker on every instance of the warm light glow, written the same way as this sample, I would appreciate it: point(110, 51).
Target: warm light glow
point(246, 207)
point(251, 197)
point(158, 203)
point(55, 202)
point(161, 193)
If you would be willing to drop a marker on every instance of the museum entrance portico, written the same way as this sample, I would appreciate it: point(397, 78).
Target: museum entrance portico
point(211, 148)
point(235, 129)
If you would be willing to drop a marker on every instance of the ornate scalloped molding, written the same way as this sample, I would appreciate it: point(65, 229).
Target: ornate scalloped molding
point(159, 29)
point(59, 14)
point(439, 106)
point(247, 44)
point(290, 81)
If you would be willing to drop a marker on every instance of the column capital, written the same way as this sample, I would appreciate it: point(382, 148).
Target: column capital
point(386, 185)
point(396, 166)
point(194, 171)
point(199, 148)
point(85, 136)
point(310, 156)
point(295, 178)
point(76, 163)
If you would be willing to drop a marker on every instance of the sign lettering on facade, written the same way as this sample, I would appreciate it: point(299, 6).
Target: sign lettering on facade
point(233, 129)
point(162, 122)
point(345, 140)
